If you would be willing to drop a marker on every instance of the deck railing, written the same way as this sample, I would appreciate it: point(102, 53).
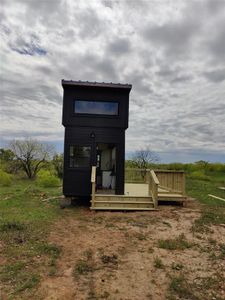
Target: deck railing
point(144, 176)
point(136, 175)
point(93, 179)
point(172, 181)
point(159, 181)
point(153, 184)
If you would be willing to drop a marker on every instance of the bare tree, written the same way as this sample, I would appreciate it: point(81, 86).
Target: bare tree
point(31, 155)
point(142, 158)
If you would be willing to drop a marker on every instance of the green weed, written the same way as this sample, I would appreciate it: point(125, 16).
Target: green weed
point(208, 217)
point(179, 243)
point(181, 288)
point(158, 263)
point(18, 276)
point(82, 267)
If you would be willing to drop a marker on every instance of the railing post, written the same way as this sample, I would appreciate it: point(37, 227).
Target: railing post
point(156, 196)
point(183, 183)
point(153, 187)
point(93, 178)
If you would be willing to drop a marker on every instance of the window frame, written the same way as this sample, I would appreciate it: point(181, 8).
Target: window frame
point(95, 114)
point(69, 156)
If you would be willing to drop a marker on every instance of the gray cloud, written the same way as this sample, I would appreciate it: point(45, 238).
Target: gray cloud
point(215, 75)
point(119, 46)
point(217, 45)
point(176, 37)
point(172, 54)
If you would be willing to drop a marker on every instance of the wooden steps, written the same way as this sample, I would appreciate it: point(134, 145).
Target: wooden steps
point(120, 208)
point(121, 202)
point(171, 197)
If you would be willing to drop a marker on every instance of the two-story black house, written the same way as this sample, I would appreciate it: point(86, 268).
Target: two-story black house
point(95, 117)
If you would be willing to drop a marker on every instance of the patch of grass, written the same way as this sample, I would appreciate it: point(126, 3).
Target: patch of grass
point(11, 271)
point(30, 281)
point(12, 226)
point(18, 276)
point(53, 251)
point(208, 217)
point(49, 249)
point(180, 287)
point(158, 263)
point(200, 189)
point(82, 267)
point(25, 222)
point(179, 243)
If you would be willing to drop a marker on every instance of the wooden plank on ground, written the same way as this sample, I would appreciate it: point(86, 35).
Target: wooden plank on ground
point(219, 198)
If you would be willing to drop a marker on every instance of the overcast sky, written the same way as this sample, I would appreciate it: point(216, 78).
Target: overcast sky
point(172, 52)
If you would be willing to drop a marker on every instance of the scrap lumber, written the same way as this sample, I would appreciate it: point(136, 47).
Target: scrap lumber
point(219, 198)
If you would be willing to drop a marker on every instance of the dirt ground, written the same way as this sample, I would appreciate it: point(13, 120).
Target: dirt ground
point(117, 255)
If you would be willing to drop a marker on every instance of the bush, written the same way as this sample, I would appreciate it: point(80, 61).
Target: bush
point(5, 178)
point(46, 179)
point(199, 175)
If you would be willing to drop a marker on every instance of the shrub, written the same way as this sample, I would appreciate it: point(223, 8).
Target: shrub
point(199, 175)
point(46, 179)
point(5, 178)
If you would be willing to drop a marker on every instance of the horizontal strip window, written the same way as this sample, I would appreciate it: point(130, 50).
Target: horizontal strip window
point(96, 107)
point(79, 156)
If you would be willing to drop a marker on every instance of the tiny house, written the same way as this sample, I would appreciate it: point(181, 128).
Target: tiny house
point(95, 117)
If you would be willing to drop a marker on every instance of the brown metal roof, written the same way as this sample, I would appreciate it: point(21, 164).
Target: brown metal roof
point(97, 84)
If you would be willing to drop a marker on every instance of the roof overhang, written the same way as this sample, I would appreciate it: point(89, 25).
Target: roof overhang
point(80, 83)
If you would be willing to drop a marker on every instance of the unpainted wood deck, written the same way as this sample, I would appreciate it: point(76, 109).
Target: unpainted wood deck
point(142, 196)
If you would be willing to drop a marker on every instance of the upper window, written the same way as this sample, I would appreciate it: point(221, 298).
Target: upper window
point(96, 107)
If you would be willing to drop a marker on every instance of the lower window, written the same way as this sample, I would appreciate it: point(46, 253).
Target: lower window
point(79, 156)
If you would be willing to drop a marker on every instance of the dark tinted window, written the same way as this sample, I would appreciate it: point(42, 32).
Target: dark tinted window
point(96, 107)
point(79, 156)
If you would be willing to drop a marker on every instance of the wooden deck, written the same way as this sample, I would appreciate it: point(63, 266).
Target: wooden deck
point(142, 195)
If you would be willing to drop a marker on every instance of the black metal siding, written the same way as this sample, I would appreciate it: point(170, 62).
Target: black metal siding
point(105, 129)
point(77, 180)
point(72, 93)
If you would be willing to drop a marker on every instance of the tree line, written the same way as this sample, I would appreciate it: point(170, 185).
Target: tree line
point(30, 156)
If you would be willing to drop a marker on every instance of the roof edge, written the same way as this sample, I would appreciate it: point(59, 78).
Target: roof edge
point(96, 84)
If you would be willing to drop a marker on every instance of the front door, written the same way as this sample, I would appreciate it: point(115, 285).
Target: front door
point(106, 167)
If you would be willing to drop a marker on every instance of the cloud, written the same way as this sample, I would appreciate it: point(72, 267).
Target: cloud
point(119, 47)
point(215, 75)
point(172, 52)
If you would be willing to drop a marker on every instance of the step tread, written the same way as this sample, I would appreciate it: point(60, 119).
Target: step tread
point(171, 195)
point(121, 196)
point(122, 208)
point(123, 202)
